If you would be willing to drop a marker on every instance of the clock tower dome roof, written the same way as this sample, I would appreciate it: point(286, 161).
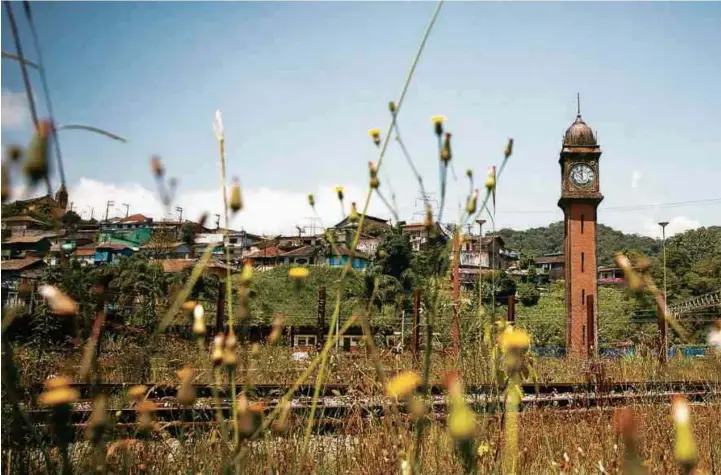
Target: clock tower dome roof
point(579, 134)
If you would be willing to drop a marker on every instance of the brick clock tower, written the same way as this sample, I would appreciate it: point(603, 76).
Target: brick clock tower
point(580, 196)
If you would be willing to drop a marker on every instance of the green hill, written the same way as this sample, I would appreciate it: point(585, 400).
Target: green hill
point(549, 239)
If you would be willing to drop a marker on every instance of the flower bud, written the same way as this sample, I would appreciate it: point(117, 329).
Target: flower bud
point(446, 149)
point(403, 384)
point(339, 192)
point(36, 164)
point(14, 153)
point(472, 202)
point(438, 124)
point(186, 392)
point(157, 166)
point(217, 353)
point(353, 217)
point(311, 200)
point(236, 202)
point(685, 450)
point(5, 184)
point(392, 107)
point(376, 136)
point(199, 320)
point(58, 301)
point(298, 273)
point(491, 178)
point(509, 148)
point(374, 183)
point(137, 393)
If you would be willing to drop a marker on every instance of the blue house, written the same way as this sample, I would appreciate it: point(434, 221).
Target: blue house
point(107, 253)
point(341, 257)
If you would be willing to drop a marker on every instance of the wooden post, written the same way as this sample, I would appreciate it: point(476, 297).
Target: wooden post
point(456, 294)
point(220, 308)
point(511, 309)
point(321, 316)
point(416, 331)
point(590, 327)
point(663, 334)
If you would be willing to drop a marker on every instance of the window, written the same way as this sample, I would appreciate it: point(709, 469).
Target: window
point(583, 260)
point(583, 297)
point(583, 220)
point(305, 340)
point(350, 342)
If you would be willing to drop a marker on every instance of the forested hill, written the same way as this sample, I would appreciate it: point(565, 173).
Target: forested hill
point(539, 241)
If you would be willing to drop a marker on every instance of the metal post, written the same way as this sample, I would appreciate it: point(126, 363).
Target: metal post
point(456, 329)
point(663, 324)
point(591, 327)
point(511, 309)
point(416, 332)
point(321, 315)
point(403, 327)
point(220, 307)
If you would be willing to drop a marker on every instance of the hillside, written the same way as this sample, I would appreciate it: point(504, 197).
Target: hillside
point(548, 239)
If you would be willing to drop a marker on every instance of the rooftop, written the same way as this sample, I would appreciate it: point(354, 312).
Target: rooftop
point(19, 264)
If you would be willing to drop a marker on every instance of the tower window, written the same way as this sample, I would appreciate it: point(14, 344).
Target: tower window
point(583, 297)
point(583, 260)
point(583, 219)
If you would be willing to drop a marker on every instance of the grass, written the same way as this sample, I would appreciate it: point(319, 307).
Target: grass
point(128, 360)
point(534, 441)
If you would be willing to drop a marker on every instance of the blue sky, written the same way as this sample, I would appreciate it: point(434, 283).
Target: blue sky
point(300, 84)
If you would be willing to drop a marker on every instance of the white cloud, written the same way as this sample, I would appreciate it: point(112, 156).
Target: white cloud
point(635, 178)
point(265, 210)
point(675, 225)
point(15, 112)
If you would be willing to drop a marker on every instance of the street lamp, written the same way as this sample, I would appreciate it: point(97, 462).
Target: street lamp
point(663, 225)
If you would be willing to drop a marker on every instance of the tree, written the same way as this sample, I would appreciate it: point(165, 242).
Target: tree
point(394, 254)
point(528, 294)
point(189, 232)
point(71, 220)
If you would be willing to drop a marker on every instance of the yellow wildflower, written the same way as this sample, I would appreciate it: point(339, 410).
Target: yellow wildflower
point(438, 123)
point(339, 192)
point(353, 217)
point(509, 148)
point(246, 275)
point(375, 135)
point(56, 397)
point(403, 384)
point(298, 273)
point(514, 339)
point(137, 392)
point(311, 200)
point(685, 451)
point(57, 382)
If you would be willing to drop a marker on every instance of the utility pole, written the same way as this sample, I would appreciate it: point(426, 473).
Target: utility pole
point(92, 212)
point(179, 210)
point(71, 205)
point(217, 221)
point(663, 325)
point(107, 208)
point(127, 209)
point(456, 292)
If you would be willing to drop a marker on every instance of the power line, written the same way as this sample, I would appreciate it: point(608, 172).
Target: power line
point(619, 209)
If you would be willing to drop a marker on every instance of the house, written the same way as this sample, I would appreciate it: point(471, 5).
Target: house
point(175, 250)
point(108, 253)
point(85, 255)
point(553, 265)
point(25, 246)
point(134, 230)
point(265, 257)
point(371, 224)
point(40, 206)
point(341, 255)
point(306, 255)
point(240, 243)
point(611, 276)
point(15, 272)
point(23, 225)
point(420, 235)
point(216, 268)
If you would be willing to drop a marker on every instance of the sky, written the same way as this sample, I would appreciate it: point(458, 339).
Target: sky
point(300, 84)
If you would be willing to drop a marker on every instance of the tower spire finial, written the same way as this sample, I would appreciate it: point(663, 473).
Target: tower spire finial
point(578, 104)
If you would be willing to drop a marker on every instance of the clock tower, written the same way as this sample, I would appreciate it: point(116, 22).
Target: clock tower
point(580, 196)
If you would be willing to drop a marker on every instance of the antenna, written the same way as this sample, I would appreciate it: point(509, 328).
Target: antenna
point(107, 208)
point(179, 210)
point(127, 209)
point(578, 104)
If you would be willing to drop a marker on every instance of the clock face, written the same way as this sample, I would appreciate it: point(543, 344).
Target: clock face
point(582, 175)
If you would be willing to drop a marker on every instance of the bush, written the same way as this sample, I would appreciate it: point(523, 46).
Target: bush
point(528, 294)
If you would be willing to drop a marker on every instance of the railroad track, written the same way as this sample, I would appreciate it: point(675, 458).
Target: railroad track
point(340, 403)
